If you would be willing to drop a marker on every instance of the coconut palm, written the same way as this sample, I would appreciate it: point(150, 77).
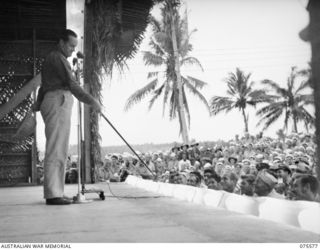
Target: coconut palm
point(164, 82)
point(290, 101)
point(240, 94)
point(307, 74)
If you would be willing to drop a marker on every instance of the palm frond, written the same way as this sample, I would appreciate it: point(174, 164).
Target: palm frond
point(165, 95)
point(152, 59)
point(308, 74)
point(173, 104)
point(271, 119)
point(156, 95)
point(304, 115)
point(198, 84)
point(275, 86)
point(156, 48)
point(219, 104)
point(161, 37)
point(305, 72)
point(191, 61)
point(192, 32)
point(140, 94)
point(232, 90)
point(186, 106)
point(241, 81)
point(259, 96)
point(247, 89)
point(155, 24)
point(270, 108)
point(291, 79)
point(303, 85)
point(269, 114)
point(306, 99)
point(195, 92)
point(180, 122)
point(309, 99)
point(153, 74)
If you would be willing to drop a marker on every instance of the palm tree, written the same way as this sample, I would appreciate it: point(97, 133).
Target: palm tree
point(289, 101)
point(307, 74)
point(165, 82)
point(240, 93)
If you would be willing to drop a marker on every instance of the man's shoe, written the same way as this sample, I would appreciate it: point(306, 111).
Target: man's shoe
point(58, 201)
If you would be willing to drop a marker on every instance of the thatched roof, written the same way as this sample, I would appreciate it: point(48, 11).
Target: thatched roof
point(118, 27)
point(19, 17)
point(135, 18)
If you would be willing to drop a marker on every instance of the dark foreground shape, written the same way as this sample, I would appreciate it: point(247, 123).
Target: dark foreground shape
point(58, 201)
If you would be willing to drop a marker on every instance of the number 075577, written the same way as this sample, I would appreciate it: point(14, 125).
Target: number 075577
point(309, 245)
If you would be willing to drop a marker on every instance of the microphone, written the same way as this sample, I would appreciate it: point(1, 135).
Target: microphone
point(80, 55)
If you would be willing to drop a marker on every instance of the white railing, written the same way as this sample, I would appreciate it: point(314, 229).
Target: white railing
point(303, 214)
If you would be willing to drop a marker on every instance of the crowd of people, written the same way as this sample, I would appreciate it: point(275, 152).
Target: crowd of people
point(252, 165)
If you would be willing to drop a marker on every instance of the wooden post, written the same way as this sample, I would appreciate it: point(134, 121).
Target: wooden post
point(87, 70)
point(314, 31)
point(26, 90)
point(34, 144)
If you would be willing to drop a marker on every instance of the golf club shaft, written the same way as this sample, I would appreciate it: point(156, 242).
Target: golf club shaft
point(126, 143)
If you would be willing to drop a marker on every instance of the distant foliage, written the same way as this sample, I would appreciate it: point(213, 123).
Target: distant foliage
point(240, 94)
point(289, 101)
point(163, 81)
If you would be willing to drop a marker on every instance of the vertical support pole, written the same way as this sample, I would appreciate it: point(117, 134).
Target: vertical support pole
point(314, 12)
point(34, 144)
point(87, 70)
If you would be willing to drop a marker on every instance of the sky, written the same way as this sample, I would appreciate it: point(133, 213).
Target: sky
point(257, 36)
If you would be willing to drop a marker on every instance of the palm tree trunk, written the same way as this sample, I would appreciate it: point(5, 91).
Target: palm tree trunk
point(295, 126)
point(314, 31)
point(183, 124)
point(307, 128)
point(246, 130)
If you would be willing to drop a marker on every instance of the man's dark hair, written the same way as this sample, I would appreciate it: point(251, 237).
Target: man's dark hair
point(311, 180)
point(233, 177)
point(213, 174)
point(209, 170)
point(250, 178)
point(218, 149)
point(262, 165)
point(64, 36)
point(172, 175)
point(197, 174)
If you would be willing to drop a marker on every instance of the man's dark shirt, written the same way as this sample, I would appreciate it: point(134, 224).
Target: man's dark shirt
point(56, 74)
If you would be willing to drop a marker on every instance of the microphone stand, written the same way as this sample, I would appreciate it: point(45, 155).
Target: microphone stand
point(80, 198)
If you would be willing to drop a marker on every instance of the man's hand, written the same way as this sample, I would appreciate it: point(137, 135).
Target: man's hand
point(96, 106)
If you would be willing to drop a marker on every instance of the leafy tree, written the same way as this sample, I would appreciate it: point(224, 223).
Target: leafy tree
point(240, 94)
point(161, 55)
point(290, 101)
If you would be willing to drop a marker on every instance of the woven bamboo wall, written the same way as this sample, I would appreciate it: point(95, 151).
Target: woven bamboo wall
point(28, 32)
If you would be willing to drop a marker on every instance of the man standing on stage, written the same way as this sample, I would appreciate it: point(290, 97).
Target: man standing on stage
point(55, 102)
